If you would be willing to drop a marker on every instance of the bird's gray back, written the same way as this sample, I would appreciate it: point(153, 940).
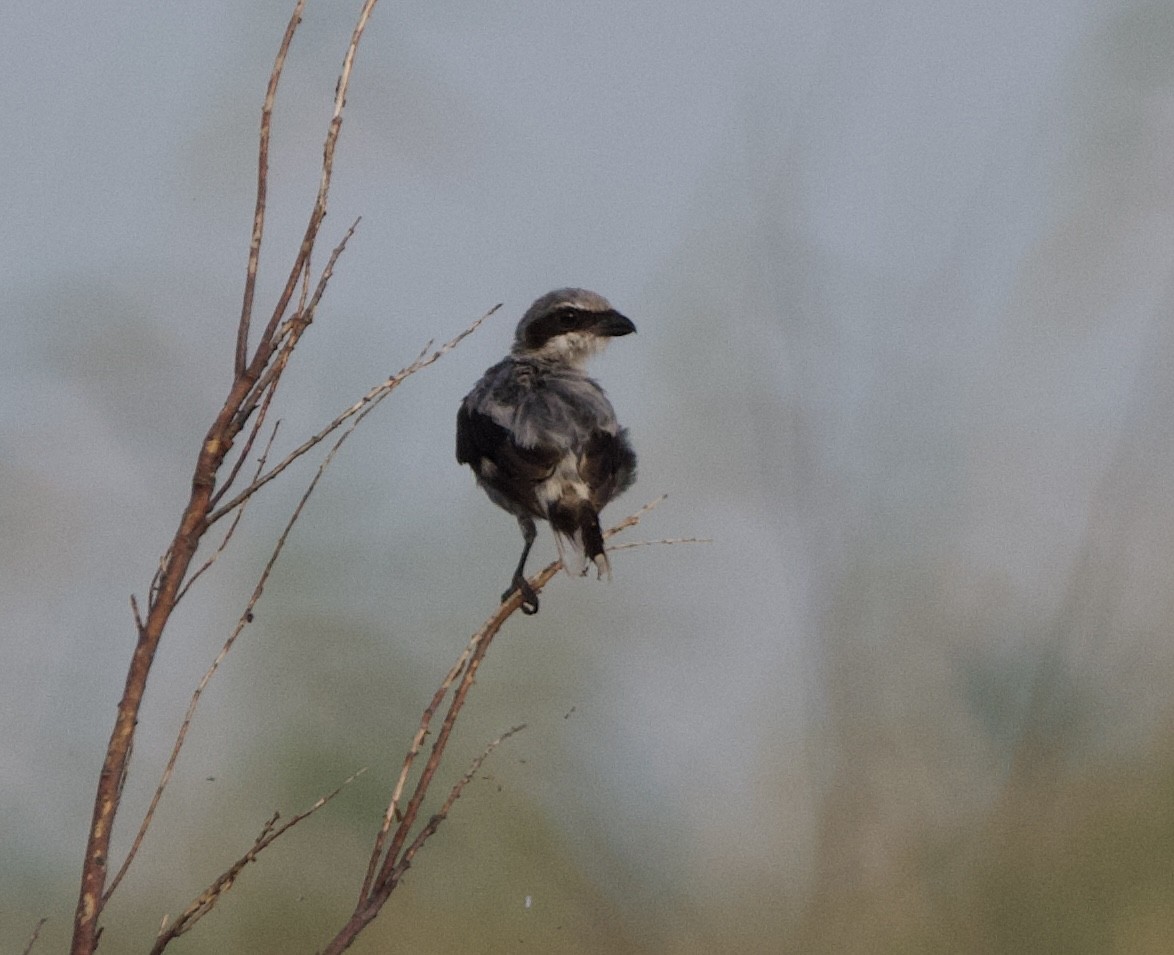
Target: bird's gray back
point(543, 404)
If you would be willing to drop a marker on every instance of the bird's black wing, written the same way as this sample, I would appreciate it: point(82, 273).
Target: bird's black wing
point(500, 463)
point(474, 433)
point(607, 465)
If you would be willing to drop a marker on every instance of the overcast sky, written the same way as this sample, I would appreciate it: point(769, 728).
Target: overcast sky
point(900, 273)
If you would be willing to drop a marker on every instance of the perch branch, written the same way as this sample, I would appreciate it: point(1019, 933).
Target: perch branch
point(389, 861)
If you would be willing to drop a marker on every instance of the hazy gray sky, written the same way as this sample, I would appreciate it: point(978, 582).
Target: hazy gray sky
point(901, 278)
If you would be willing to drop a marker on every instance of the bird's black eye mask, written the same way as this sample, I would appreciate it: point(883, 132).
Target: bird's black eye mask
point(558, 322)
point(566, 319)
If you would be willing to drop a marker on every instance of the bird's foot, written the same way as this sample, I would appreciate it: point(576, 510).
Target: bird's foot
point(529, 597)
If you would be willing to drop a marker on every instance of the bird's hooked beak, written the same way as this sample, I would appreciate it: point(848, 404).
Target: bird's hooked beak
point(612, 324)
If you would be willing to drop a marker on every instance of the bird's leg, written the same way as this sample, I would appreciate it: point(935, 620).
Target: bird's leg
point(520, 583)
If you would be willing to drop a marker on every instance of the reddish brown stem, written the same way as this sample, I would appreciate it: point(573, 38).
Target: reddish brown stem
point(183, 548)
point(194, 522)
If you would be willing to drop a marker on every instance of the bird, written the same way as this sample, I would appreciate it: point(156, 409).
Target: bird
point(542, 437)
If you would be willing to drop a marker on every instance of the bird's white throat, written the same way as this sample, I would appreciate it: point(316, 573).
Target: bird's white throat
point(571, 348)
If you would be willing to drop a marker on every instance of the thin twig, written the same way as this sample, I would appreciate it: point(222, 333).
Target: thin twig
point(454, 794)
point(307, 308)
point(362, 406)
point(36, 934)
point(384, 881)
point(319, 210)
point(283, 343)
point(207, 899)
point(304, 293)
point(242, 332)
point(664, 540)
point(134, 609)
point(153, 589)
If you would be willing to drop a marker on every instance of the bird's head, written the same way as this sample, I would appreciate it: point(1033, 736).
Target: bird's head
point(569, 325)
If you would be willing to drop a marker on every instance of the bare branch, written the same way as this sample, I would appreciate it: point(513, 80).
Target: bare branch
point(361, 407)
point(305, 292)
point(194, 521)
point(265, 346)
point(307, 309)
point(634, 518)
point(242, 334)
point(454, 794)
point(246, 448)
point(285, 340)
point(249, 399)
point(388, 862)
point(207, 899)
point(393, 813)
point(664, 540)
point(467, 664)
point(245, 618)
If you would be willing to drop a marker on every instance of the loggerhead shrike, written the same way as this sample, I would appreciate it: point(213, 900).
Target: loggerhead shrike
point(542, 437)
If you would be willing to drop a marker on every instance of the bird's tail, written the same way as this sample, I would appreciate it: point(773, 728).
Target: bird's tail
point(579, 538)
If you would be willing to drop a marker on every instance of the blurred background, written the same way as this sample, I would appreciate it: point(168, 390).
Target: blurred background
point(902, 278)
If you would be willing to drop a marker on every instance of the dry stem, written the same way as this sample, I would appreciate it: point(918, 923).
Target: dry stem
point(388, 862)
point(233, 416)
point(242, 336)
